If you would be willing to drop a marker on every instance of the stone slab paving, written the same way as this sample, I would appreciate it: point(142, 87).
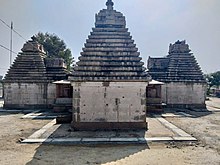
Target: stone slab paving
point(69, 140)
point(31, 114)
point(172, 127)
point(38, 133)
point(37, 140)
point(177, 114)
point(53, 133)
point(213, 102)
point(185, 114)
point(182, 138)
point(39, 115)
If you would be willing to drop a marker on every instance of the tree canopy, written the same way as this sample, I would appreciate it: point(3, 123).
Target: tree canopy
point(55, 47)
point(213, 80)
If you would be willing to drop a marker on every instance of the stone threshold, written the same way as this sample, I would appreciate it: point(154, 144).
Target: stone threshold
point(108, 140)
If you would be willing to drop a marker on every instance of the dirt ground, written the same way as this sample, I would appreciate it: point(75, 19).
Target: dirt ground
point(204, 125)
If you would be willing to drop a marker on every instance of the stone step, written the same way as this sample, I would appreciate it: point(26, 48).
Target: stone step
point(109, 74)
point(106, 49)
point(62, 119)
point(110, 45)
point(110, 33)
point(107, 59)
point(109, 37)
point(109, 29)
point(110, 63)
point(109, 41)
point(111, 54)
point(122, 69)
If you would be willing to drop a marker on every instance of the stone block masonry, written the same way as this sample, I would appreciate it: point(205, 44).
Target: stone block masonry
point(184, 94)
point(109, 105)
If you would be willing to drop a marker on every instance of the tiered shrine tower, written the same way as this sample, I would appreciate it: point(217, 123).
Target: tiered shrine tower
point(185, 85)
point(109, 81)
point(28, 83)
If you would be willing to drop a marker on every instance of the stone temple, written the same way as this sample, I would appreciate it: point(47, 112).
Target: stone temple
point(109, 81)
point(29, 81)
point(109, 87)
point(185, 85)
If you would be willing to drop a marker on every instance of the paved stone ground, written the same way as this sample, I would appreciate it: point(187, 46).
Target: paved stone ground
point(63, 130)
point(213, 102)
point(204, 125)
point(159, 130)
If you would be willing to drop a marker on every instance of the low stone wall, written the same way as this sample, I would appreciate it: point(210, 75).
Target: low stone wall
point(1, 87)
point(29, 95)
point(184, 95)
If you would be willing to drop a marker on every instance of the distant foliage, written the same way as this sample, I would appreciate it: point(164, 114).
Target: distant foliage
point(213, 80)
point(55, 48)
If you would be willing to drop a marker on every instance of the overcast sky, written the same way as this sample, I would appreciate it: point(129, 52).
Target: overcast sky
point(154, 24)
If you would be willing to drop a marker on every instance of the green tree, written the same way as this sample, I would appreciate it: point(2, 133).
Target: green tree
point(213, 80)
point(55, 48)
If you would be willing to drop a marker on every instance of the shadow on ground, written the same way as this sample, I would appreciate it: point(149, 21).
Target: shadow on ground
point(195, 113)
point(82, 155)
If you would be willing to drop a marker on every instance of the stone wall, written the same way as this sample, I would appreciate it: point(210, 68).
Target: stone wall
point(184, 94)
point(29, 95)
point(1, 89)
point(109, 104)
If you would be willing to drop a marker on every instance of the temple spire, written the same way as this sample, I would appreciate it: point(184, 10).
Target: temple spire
point(109, 5)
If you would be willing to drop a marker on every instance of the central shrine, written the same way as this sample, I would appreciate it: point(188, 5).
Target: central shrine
point(109, 81)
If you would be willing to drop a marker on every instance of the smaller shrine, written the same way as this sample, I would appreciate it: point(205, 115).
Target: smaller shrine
point(28, 82)
point(185, 85)
point(154, 97)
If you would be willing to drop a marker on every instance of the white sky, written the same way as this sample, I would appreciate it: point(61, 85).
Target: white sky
point(153, 25)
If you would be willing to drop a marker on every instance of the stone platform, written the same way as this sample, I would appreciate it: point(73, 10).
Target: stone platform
point(160, 130)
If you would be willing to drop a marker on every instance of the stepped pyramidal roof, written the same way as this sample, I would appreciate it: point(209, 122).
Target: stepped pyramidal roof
point(179, 65)
point(109, 53)
point(31, 65)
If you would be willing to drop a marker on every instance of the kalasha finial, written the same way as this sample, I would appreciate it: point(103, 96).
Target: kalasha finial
point(34, 38)
point(109, 4)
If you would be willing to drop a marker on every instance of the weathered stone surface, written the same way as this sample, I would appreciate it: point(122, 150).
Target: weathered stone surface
point(33, 46)
point(184, 95)
point(28, 95)
point(112, 102)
